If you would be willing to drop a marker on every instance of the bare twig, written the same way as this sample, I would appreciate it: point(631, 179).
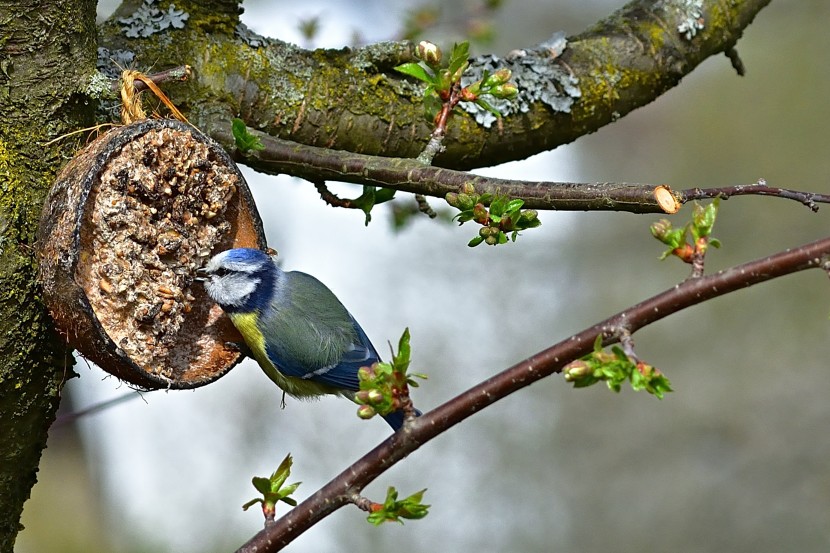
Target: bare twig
point(96, 408)
point(759, 188)
point(424, 207)
point(736, 61)
point(342, 489)
point(330, 197)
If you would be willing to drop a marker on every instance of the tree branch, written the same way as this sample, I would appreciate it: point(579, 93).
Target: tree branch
point(409, 175)
point(353, 100)
point(342, 488)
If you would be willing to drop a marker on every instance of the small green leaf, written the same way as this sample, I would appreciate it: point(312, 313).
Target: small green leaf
point(475, 241)
point(458, 57)
point(245, 141)
point(418, 71)
point(498, 205)
point(514, 205)
point(393, 510)
point(262, 485)
point(251, 503)
point(486, 105)
point(401, 360)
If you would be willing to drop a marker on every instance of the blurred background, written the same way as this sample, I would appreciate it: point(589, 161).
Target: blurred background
point(736, 459)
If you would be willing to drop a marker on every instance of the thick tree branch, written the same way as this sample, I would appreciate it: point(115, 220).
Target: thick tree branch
point(353, 100)
point(691, 292)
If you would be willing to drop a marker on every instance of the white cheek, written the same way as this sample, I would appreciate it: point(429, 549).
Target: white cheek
point(231, 290)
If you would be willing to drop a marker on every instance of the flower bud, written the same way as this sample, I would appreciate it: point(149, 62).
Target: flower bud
point(452, 199)
point(492, 240)
point(661, 228)
point(576, 370)
point(468, 94)
point(465, 201)
point(468, 188)
point(375, 397)
point(480, 214)
point(429, 52)
point(366, 412)
point(530, 215)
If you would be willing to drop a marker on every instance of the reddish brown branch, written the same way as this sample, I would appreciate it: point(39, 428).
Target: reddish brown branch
point(342, 489)
point(330, 197)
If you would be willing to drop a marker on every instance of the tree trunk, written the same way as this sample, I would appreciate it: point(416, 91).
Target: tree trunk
point(47, 54)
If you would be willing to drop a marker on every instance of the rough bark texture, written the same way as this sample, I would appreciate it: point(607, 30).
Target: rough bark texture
point(353, 99)
point(47, 50)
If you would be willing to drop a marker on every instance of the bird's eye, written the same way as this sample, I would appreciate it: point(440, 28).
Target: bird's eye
point(221, 271)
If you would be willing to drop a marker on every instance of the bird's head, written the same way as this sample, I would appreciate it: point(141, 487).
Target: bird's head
point(241, 279)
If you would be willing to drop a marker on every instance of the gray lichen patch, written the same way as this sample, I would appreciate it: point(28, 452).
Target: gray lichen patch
point(155, 214)
point(689, 13)
point(537, 75)
point(148, 20)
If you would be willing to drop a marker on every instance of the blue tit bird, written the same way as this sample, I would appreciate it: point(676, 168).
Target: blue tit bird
point(296, 328)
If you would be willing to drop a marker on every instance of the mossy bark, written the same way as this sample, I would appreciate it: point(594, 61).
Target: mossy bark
point(354, 100)
point(47, 53)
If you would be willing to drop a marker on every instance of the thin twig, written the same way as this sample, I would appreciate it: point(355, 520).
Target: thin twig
point(96, 408)
point(735, 60)
point(760, 188)
point(330, 197)
point(424, 207)
point(339, 491)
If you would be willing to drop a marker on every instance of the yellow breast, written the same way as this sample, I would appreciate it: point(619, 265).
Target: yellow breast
point(246, 323)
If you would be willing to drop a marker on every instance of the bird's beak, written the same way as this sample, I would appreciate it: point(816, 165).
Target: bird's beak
point(201, 275)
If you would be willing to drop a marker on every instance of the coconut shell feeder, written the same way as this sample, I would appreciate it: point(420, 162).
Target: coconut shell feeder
point(125, 227)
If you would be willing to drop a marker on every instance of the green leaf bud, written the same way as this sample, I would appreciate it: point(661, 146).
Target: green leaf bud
point(505, 91)
point(465, 201)
point(498, 78)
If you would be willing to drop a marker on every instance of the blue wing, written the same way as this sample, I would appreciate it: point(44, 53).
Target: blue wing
point(341, 374)
point(309, 335)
